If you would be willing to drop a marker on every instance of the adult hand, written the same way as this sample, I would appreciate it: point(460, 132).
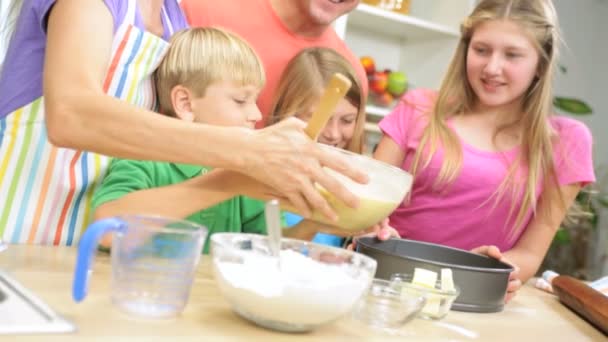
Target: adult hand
point(514, 282)
point(283, 157)
point(380, 230)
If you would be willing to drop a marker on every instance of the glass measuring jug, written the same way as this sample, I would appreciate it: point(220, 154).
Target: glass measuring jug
point(154, 260)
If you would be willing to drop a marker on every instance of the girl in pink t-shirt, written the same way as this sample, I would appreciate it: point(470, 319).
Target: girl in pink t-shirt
point(495, 171)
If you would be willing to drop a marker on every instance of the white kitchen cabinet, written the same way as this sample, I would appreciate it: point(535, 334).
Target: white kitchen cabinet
point(420, 44)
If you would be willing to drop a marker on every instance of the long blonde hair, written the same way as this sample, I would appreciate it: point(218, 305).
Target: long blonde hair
point(304, 79)
point(456, 96)
point(200, 56)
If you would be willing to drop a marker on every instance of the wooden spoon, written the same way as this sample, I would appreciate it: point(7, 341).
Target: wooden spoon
point(335, 90)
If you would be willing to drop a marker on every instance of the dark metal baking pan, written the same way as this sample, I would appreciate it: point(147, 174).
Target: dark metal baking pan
point(482, 280)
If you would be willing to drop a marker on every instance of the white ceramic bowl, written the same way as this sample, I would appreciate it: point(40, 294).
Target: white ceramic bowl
point(314, 284)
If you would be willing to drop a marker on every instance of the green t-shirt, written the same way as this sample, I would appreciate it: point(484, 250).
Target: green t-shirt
point(239, 214)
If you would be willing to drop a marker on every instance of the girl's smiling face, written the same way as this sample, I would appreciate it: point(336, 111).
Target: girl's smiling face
point(502, 63)
point(340, 128)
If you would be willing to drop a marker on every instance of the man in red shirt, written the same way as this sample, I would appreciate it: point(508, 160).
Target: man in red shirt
point(278, 30)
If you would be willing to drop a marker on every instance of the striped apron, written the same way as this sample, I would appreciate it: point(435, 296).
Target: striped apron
point(45, 191)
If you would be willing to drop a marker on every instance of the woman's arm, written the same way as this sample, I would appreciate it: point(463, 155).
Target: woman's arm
point(80, 115)
point(532, 247)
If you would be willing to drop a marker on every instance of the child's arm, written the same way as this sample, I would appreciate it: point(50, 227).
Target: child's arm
point(304, 230)
point(140, 197)
point(389, 152)
point(129, 189)
point(176, 200)
point(254, 221)
point(573, 164)
point(531, 248)
point(183, 199)
point(307, 229)
point(527, 255)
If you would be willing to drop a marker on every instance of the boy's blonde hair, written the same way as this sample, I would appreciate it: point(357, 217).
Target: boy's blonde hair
point(201, 56)
point(303, 82)
point(539, 19)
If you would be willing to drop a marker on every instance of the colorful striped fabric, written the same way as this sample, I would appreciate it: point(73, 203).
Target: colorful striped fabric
point(45, 191)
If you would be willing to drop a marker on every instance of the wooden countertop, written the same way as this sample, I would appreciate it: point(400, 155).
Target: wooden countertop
point(47, 271)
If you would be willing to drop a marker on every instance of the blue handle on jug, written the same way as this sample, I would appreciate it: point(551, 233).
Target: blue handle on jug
point(86, 253)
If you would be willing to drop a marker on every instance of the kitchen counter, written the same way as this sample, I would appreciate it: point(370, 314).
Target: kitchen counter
point(48, 271)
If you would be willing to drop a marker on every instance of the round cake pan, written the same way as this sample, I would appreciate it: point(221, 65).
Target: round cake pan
point(482, 280)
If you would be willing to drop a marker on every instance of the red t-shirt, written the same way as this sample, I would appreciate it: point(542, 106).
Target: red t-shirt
point(258, 24)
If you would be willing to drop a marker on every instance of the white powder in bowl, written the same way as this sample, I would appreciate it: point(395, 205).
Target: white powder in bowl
point(302, 291)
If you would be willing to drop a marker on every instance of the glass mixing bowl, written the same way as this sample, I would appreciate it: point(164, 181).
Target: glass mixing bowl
point(438, 301)
point(308, 286)
point(387, 187)
point(386, 306)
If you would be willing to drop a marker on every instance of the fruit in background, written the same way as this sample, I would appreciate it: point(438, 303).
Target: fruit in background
point(378, 82)
point(384, 99)
point(368, 64)
point(386, 72)
point(397, 83)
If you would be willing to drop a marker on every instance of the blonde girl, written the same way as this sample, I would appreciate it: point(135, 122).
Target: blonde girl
point(495, 170)
point(300, 88)
point(299, 91)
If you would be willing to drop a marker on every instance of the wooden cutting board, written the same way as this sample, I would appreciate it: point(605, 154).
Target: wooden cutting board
point(583, 299)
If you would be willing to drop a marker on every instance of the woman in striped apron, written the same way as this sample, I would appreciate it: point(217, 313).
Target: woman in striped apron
point(97, 96)
point(46, 190)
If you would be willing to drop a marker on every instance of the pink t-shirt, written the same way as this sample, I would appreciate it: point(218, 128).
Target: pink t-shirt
point(465, 215)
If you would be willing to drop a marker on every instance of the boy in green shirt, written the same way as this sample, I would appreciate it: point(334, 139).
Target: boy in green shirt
point(209, 76)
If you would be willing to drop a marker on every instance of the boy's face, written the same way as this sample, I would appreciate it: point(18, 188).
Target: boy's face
point(227, 104)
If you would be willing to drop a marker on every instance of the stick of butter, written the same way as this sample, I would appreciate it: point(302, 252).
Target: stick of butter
point(447, 282)
point(424, 277)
